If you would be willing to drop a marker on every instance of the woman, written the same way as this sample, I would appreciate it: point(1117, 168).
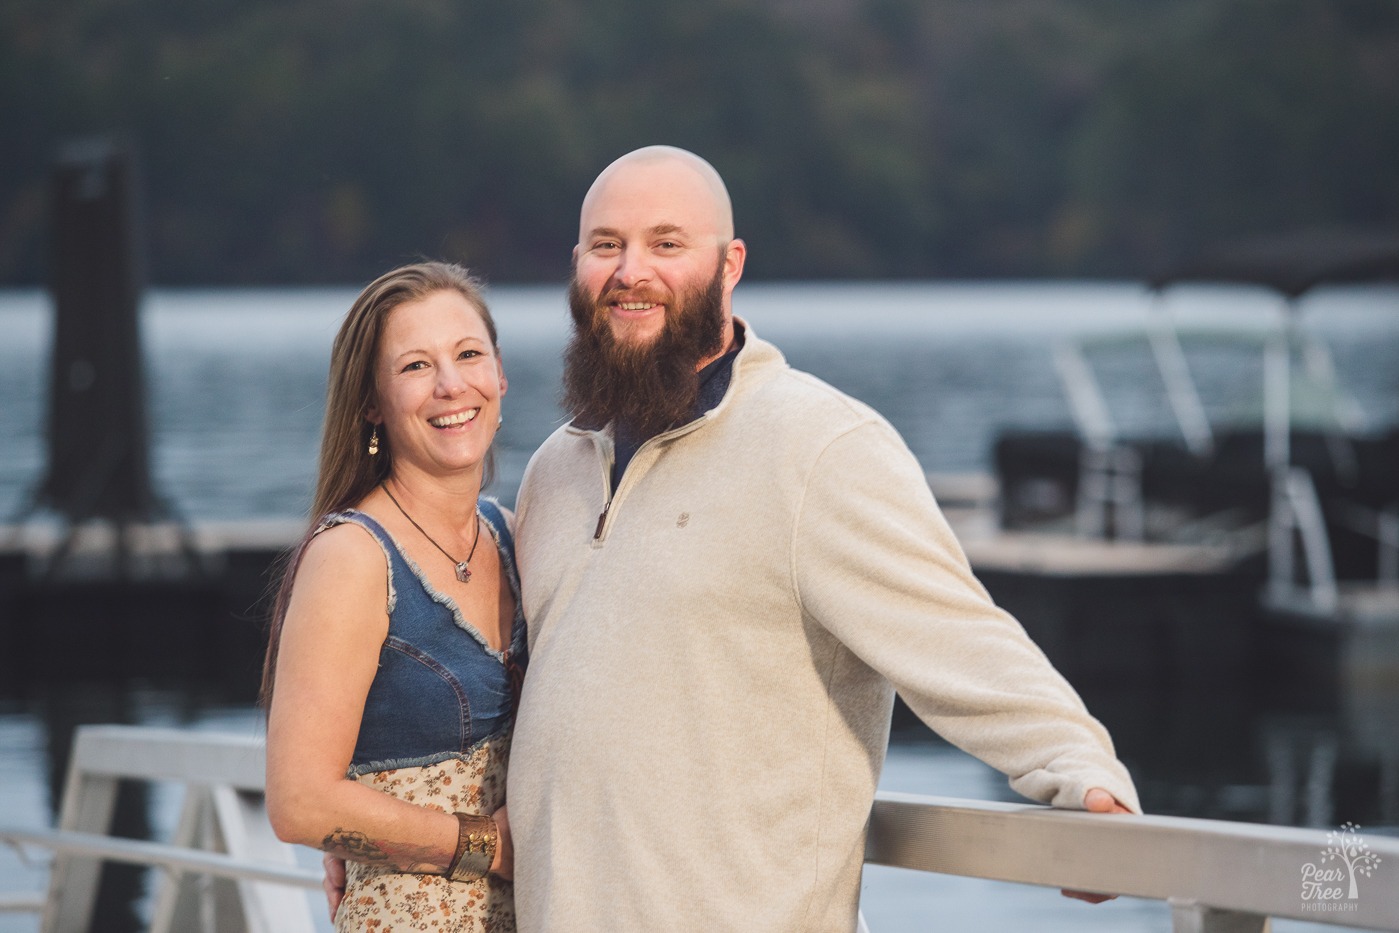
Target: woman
point(398, 643)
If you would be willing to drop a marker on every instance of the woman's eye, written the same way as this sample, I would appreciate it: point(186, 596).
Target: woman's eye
point(416, 364)
point(468, 354)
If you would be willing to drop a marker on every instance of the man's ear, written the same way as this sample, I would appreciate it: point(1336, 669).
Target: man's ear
point(735, 254)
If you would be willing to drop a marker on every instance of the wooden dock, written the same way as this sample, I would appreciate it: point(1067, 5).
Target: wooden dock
point(1115, 612)
point(156, 548)
point(160, 600)
point(968, 500)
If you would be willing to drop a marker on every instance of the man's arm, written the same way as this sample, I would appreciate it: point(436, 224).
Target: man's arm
point(877, 565)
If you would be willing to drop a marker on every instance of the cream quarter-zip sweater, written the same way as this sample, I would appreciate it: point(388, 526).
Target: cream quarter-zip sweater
point(714, 650)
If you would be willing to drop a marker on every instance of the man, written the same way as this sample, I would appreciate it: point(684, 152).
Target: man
point(728, 568)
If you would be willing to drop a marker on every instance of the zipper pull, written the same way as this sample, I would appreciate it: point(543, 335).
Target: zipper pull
point(602, 517)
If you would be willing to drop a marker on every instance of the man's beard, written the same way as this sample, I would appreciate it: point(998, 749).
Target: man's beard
point(646, 388)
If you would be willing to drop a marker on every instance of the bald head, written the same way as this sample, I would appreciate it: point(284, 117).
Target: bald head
point(654, 237)
point(661, 175)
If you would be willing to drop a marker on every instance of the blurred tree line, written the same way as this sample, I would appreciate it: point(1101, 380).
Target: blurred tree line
point(291, 141)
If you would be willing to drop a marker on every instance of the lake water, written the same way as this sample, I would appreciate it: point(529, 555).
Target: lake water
point(236, 378)
point(236, 385)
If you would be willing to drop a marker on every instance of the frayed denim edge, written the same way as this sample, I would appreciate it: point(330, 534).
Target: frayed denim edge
point(352, 517)
point(422, 761)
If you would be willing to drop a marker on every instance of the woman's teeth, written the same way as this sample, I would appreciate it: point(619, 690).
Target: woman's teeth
point(446, 421)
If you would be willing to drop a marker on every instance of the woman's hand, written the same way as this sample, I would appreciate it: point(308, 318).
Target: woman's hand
point(504, 863)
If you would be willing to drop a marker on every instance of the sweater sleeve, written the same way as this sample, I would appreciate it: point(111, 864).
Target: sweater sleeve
point(876, 564)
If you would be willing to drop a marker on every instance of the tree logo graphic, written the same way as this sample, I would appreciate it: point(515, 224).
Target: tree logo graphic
point(1334, 884)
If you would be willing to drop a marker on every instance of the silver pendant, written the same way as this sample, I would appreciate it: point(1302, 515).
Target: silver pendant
point(463, 572)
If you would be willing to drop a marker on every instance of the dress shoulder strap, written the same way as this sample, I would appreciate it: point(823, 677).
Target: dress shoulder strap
point(356, 517)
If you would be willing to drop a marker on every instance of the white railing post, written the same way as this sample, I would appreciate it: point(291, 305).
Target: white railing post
point(176, 902)
point(223, 872)
point(89, 801)
point(1190, 917)
point(246, 832)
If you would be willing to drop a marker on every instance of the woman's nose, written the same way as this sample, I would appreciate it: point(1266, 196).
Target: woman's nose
point(450, 382)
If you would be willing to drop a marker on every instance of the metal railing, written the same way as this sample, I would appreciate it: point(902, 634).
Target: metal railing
point(1217, 876)
point(224, 870)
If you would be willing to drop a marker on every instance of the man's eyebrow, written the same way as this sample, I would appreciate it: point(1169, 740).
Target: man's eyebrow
point(658, 230)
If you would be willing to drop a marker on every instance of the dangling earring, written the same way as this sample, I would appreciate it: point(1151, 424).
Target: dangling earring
point(500, 421)
point(374, 442)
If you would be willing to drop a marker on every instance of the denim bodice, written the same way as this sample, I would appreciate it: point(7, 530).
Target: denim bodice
point(440, 689)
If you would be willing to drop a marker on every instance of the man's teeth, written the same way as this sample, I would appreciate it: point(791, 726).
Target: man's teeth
point(446, 421)
point(635, 305)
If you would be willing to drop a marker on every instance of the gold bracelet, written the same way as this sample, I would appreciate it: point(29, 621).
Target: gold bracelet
point(477, 838)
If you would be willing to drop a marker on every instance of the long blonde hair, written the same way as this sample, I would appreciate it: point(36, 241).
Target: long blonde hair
point(346, 472)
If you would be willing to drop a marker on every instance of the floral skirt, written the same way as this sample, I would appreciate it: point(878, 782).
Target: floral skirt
point(383, 900)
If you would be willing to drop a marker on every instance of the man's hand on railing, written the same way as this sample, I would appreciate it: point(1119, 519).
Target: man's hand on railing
point(1097, 800)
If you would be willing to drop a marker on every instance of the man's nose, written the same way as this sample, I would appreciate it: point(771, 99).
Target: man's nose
point(633, 269)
